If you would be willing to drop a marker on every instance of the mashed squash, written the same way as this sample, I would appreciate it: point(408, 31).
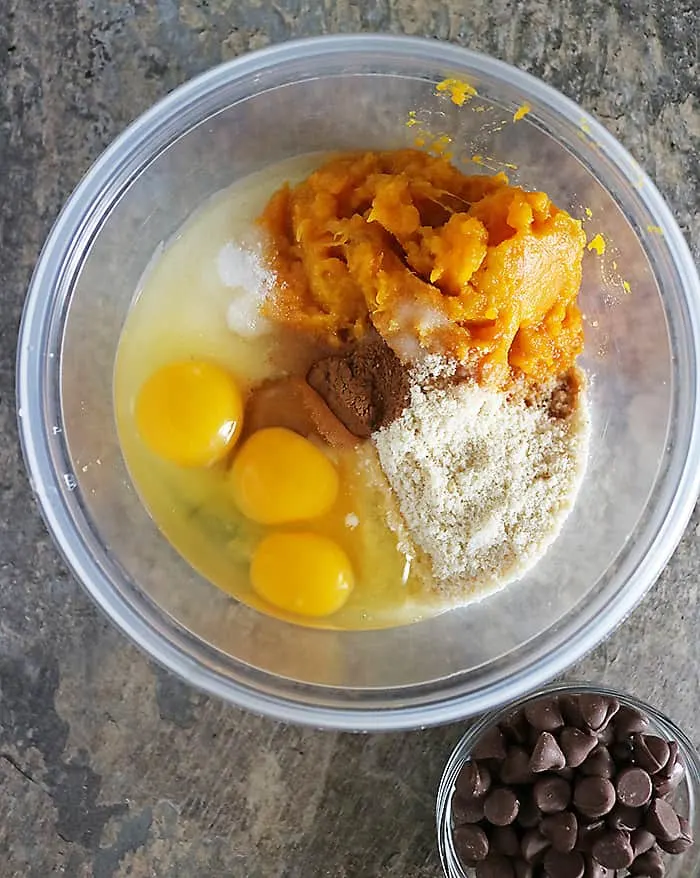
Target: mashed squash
point(435, 260)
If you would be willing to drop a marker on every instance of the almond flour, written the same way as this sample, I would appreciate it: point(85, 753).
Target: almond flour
point(483, 483)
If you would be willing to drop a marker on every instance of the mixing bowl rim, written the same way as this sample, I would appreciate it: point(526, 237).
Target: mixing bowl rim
point(145, 624)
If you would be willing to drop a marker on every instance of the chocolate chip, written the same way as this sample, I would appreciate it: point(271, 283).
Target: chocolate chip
point(473, 780)
point(570, 709)
point(529, 814)
point(613, 849)
point(669, 777)
point(491, 745)
point(561, 829)
point(501, 806)
point(494, 866)
point(665, 785)
point(515, 768)
point(515, 727)
point(671, 761)
point(588, 834)
point(594, 796)
point(606, 736)
point(566, 773)
point(576, 745)
point(611, 712)
point(467, 810)
point(651, 752)
point(663, 821)
point(599, 764)
point(633, 786)
point(642, 841)
point(471, 843)
point(595, 870)
point(559, 865)
point(621, 752)
point(629, 721)
point(624, 817)
point(523, 869)
point(544, 715)
point(651, 865)
point(594, 710)
point(532, 736)
point(504, 840)
point(551, 794)
point(547, 755)
point(533, 845)
point(681, 844)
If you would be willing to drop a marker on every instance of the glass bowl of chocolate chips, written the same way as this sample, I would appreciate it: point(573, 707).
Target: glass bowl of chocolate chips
point(572, 782)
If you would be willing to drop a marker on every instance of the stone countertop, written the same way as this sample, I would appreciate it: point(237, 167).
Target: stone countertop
point(108, 765)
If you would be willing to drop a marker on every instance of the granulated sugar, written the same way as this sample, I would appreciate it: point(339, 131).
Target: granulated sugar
point(243, 270)
point(483, 483)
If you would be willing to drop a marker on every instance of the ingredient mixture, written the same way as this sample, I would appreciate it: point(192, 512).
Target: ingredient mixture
point(570, 785)
point(364, 406)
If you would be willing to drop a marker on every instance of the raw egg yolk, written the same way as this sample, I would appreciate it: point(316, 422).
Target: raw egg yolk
point(189, 413)
point(302, 573)
point(278, 476)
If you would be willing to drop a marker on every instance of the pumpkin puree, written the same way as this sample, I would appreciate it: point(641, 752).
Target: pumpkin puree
point(436, 261)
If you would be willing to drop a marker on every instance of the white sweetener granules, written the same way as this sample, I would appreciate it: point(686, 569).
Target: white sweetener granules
point(484, 483)
point(243, 270)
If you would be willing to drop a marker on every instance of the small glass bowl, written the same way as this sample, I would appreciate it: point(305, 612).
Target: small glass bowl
point(686, 798)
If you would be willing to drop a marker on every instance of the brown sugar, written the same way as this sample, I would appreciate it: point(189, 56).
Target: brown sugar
point(291, 403)
point(565, 394)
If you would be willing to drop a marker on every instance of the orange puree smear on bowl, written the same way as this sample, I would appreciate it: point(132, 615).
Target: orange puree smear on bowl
point(436, 261)
point(458, 90)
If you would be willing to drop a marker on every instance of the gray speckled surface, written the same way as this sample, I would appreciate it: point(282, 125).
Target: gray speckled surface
point(110, 767)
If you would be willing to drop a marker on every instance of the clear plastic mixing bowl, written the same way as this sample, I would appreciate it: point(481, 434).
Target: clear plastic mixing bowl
point(642, 304)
